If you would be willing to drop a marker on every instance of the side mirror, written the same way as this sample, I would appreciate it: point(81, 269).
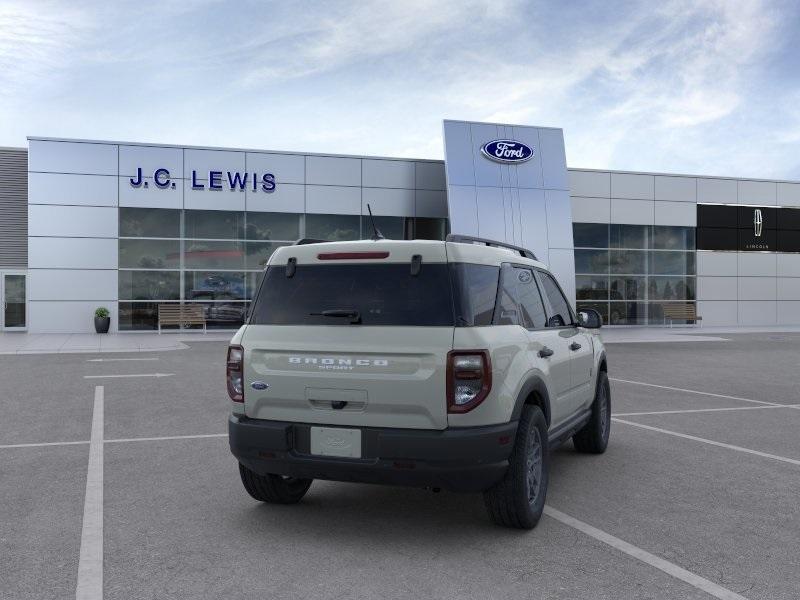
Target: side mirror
point(590, 319)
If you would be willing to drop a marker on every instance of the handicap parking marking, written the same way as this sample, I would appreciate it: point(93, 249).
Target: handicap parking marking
point(695, 438)
point(700, 583)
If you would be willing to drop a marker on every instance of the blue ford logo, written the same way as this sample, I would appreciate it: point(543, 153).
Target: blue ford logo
point(507, 151)
point(259, 385)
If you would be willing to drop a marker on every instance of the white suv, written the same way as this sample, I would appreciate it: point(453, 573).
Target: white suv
point(453, 365)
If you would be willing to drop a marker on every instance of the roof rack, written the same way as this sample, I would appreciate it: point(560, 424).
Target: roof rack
point(468, 239)
point(304, 241)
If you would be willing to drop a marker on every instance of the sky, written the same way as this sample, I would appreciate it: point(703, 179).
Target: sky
point(699, 87)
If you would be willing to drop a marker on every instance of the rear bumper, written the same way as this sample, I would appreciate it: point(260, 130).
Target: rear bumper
point(467, 459)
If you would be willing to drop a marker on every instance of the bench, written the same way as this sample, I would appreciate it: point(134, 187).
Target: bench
point(682, 312)
point(180, 315)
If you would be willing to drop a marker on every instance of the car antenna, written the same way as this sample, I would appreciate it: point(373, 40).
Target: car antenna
point(376, 233)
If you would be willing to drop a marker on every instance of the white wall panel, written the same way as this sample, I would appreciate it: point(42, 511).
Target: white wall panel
point(554, 162)
point(675, 213)
point(717, 263)
point(389, 202)
point(757, 192)
point(717, 313)
point(430, 203)
point(328, 170)
point(788, 288)
point(757, 312)
point(150, 196)
point(464, 213)
point(754, 264)
point(430, 176)
point(458, 154)
point(559, 219)
point(72, 284)
point(150, 158)
point(590, 210)
point(329, 199)
point(532, 206)
point(590, 184)
point(72, 253)
point(757, 288)
point(633, 212)
point(87, 190)
point(388, 173)
point(676, 189)
point(717, 288)
point(637, 187)
point(717, 190)
point(206, 199)
point(66, 317)
point(487, 172)
point(287, 197)
point(72, 157)
point(491, 216)
point(788, 194)
point(788, 265)
point(287, 168)
point(788, 313)
point(529, 173)
point(204, 161)
point(72, 221)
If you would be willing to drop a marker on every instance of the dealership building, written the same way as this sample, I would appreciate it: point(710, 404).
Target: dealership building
point(132, 227)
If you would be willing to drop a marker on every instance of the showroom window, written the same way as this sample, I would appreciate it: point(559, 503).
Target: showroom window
point(629, 272)
point(215, 258)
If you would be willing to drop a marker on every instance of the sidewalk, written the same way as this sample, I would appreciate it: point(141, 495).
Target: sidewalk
point(682, 333)
point(58, 343)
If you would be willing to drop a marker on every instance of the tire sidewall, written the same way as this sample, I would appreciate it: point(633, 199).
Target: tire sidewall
point(531, 511)
point(602, 393)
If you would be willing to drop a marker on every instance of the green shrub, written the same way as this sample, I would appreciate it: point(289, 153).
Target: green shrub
point(101, 313)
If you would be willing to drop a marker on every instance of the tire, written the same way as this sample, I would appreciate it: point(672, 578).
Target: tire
point(518, 499)
point(274, 489)
point(593, 438)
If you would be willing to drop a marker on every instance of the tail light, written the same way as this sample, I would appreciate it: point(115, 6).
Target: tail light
point(235, 373)
point(469, 379)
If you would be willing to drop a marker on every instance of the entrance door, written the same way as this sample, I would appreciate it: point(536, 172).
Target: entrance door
point(12, 291)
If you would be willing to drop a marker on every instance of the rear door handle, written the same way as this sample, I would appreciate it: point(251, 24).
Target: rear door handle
point(574, 346)
point(545, 352)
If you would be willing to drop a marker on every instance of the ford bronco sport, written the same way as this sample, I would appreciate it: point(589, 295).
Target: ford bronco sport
point(455, 365)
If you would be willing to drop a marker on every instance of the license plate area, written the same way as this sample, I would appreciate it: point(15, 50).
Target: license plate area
point(336, 441)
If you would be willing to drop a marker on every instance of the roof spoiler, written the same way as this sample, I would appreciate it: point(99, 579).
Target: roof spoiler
point(304, 241)
point(468, 239)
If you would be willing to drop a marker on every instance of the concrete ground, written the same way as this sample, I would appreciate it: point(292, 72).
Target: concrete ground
point(696, 497)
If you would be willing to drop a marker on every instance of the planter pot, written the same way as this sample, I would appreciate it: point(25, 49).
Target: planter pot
point(101, 324)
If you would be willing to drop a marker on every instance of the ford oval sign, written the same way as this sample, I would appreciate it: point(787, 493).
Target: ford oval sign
point(507, 151)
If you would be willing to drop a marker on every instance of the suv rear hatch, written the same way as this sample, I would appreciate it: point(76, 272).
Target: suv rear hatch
point(351, 333)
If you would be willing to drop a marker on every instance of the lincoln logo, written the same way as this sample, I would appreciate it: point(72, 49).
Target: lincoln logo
point(507, 151)
point(758, 222)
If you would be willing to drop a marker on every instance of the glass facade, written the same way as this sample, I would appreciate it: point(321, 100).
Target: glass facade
point(215, 258)
point(629, 272)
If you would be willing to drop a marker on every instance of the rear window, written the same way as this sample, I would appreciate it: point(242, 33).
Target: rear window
point(381, 294)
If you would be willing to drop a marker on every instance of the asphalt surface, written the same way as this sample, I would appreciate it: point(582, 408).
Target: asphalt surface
point(721, 503)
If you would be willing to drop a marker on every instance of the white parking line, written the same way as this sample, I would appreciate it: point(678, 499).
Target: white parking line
point(676, 389)
point(709, 587)
point(169, 437)
point(128, 375)
point(704, 410)
point(118, 359)
point(791, 461)
point(39, 444)
point(90, 564)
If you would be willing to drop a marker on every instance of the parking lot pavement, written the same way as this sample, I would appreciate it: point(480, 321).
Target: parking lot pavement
point(702, 496)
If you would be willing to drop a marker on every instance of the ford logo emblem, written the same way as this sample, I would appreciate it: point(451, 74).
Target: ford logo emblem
point(507, 151)
point(259, 385)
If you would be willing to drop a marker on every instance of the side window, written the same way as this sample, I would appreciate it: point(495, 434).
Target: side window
point(518, 299)
point(561, 315)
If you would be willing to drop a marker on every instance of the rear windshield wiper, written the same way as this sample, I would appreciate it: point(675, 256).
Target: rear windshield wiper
point(353, 315)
